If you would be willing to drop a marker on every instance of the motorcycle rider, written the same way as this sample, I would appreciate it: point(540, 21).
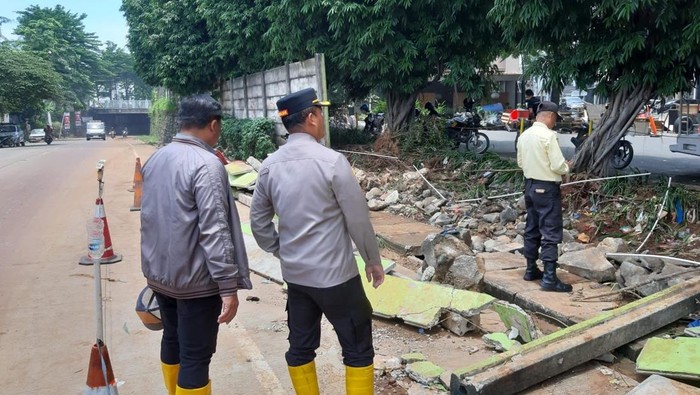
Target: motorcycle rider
point(125, 132)
point(111, 132)
point(48, 132)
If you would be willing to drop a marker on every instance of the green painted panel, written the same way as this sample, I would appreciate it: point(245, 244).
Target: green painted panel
point(679, 357)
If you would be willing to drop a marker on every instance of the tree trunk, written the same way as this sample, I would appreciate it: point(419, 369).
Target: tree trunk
point(595, 153)
point(400, 108)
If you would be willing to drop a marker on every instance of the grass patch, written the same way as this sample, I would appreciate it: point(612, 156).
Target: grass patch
point(150, 140)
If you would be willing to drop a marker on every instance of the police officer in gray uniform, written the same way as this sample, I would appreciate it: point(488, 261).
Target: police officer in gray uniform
point(543, 165)
point(321, 211)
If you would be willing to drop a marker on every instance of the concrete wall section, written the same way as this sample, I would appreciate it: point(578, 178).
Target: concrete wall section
point(256, 95)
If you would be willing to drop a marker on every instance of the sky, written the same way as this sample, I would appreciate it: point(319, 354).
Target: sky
point(103, 16)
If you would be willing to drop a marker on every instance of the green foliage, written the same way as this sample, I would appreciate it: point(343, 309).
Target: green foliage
point(618, 45)
point(26, 80)
point(59, 38)
point(341, 137)
point(241, 138)
point(162, 116)
point(119, 75)
point(395, 46)
point(172, 45)
point(426, 136)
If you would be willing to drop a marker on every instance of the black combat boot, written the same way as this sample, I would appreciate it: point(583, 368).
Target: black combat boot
point(550, 282)
point(532, 272)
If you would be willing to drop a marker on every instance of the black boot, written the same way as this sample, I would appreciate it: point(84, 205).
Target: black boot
point(532, 272)
point(550, 282)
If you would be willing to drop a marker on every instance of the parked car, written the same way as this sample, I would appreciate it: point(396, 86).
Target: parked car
point(11, 135)
point(36, 135)
point(573, 102)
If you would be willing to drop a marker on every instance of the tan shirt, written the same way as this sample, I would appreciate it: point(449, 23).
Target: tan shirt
point(321, 210)
point(539, 154)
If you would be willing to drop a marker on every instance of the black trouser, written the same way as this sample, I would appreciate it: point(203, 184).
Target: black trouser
point(347, 308)
point(543, 227)
point(189, 336)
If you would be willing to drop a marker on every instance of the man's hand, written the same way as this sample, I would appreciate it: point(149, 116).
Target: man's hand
point(375, 274)
point(570, 163)
point(229, 308)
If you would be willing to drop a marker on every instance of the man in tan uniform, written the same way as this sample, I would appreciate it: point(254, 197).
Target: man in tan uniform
point(543, 165)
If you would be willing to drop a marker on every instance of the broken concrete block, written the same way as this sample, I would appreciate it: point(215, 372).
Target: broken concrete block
point(465, 273)
point(490, 245)
point(613, 245)
point(384, 363)
point(392, 197)
point(237, 167)
point(421, 304)
point(670, 268)
point(469, 223)
point(656, 384)
point(500, 341)
point(466, 236)
point(492, 218)
point(573, 246)
point(256, 164)
point(671, 357)
point(376, 204)
point(413, 357)
point(656, 265)
point(244, 181)
point(632, 274)
point(424, 372)
point(477, 244)
point(515, 317)
point(508, 247)
point(373, 193)
point(457, 324)
point(440, 251)
point(509, 214)
point(590, 263)
point(427, 274)
point(440, 219)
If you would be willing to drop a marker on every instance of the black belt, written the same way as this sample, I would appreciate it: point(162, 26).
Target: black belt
point(543, 182)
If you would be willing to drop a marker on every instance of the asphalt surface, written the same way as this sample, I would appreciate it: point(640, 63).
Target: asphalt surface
point(651, 154)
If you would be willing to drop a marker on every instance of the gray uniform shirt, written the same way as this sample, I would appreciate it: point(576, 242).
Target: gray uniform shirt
point(192, 245)
point(320, 207)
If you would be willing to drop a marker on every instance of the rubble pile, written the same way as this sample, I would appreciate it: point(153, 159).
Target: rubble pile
point(498, 225)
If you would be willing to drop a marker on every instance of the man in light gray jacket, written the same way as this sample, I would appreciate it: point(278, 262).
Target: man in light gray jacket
point(192, 250)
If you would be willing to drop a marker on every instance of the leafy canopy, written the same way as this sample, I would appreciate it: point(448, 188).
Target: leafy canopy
point(619, 45)
point(172, 45)
point(58, 36)
point(26, 80)
point(392, 45)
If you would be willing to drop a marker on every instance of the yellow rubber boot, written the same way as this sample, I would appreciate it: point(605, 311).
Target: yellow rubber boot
point(170, 373)
point(304, 379)
point(206, 390)
point(359, 381)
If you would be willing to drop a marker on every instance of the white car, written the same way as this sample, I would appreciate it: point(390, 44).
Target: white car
point(573, 102)
point(36, 135)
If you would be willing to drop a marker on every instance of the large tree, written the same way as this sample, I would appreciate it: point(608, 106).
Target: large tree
point(172, 46)
point(27, 80)
point(633, 50)
point(58, 36)
point(120, 80)
point(395, 46)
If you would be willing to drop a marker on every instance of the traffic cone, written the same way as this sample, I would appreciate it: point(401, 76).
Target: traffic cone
point(137, 172)
point(222, 157)
point(108, 256)
point(100, 378)
point(138, 187)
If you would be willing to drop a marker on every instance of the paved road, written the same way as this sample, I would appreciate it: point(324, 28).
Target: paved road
point(47, 321)
point(651, 154)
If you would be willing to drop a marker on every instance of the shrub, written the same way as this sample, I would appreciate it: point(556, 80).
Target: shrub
point(241, 138)
point(341, 137)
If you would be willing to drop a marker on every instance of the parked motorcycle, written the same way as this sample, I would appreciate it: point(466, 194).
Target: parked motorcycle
point(622, 152)
point(464, 128)
point(374, 122)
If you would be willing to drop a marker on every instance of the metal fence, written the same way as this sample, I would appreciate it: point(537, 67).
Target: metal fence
point(124, 104)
